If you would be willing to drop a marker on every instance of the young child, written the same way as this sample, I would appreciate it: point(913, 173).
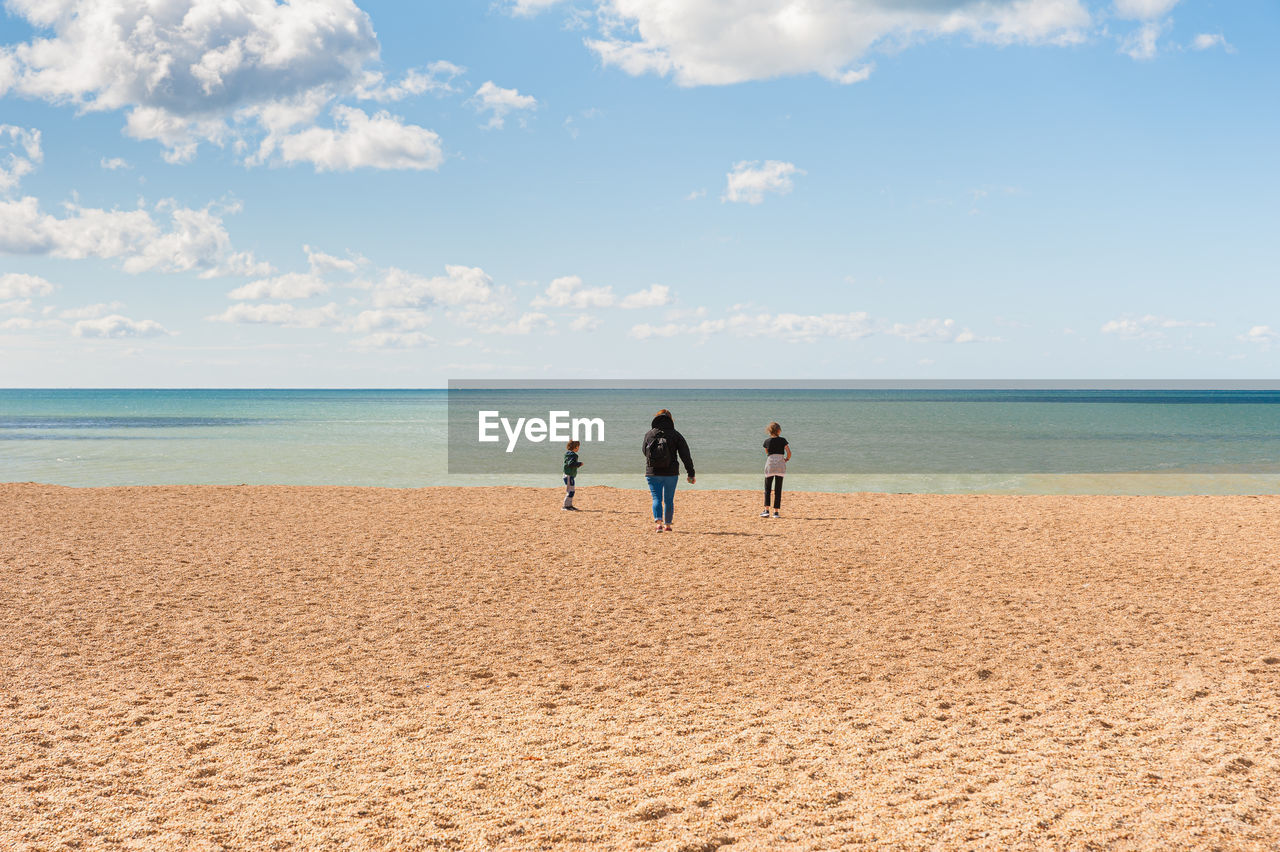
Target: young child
point(571, 465)
point(775, 467)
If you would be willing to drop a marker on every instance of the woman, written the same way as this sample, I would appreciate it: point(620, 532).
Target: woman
point(664, 449)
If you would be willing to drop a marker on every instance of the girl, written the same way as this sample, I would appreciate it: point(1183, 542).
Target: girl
point(571, 465)
point(775, 467)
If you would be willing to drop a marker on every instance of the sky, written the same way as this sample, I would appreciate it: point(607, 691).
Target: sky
point(241, 193)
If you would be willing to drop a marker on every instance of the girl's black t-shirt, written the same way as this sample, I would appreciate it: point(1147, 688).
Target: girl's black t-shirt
point(776, 446)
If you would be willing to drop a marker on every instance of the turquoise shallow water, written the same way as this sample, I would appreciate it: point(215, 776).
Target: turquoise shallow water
point(1016, 441)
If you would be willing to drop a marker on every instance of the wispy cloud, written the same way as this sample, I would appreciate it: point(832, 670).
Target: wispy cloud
point(1149, 326)
point(1208, 41)
point(283, 314)
point(809, 328)
point(20, 153)
point(500, 103)
point(1260, 335)
point(291, 285)
point(750, 181)
point(101, 309)
point(570, 292)
point(437, 78)
point(115, 326)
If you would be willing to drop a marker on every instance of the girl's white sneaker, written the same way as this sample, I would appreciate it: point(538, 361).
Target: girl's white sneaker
point(765, 513)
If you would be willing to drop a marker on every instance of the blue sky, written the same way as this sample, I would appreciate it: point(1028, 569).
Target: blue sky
point(392, 195)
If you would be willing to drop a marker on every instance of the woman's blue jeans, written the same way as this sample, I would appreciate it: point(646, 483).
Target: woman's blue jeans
point(663, 489)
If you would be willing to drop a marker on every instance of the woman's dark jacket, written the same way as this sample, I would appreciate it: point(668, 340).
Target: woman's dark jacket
point(679, 446)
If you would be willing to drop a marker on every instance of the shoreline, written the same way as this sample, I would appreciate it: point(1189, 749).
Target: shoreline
point(684, 488)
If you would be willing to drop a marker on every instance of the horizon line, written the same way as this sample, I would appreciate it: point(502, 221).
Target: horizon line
point(730, 384)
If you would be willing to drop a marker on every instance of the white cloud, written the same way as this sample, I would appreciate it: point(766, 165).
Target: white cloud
point(284, 314)
point(1148, 327)
point(18, 285)
point(802, 327)
point(1262, 335)
point(381, 320)
point(382, 141)
point(291, 285)
point(526, 324)
point(796, 328)
point(654, 296)
point(856, 75)
point(808, 328)
point(114, 164)
point(750, 180)
point(1144, 10)
point(28, 324)
point(90, 311)
point(1207, 41)
point(22, 159)
point(322, 263)
point(685, 313)
point(696, 194)
point(499, 102)
point(569, 292)
point(220, 71)
point(584, 322)
point(531, 7)
point(644, 330)
point(460, 285)
point(711, 42)
point(398, 328)
point(117, 326)
point(393, 340)
point(933, 331)
point(436, 78)
point(1143, 43)
point(194, 240)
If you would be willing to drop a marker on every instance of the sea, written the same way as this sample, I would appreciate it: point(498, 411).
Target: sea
point(1007, 440)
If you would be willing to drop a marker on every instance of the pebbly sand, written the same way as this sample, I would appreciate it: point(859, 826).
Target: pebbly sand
point(274, 668)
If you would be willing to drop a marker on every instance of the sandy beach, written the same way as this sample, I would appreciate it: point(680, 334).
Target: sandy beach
point(277, 667)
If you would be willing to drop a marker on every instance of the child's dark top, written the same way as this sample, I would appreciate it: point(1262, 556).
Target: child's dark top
point(776, 446)
point(571, 463)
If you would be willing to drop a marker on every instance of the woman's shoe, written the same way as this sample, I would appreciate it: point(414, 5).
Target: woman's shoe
point(765, 513)
point(668, 527)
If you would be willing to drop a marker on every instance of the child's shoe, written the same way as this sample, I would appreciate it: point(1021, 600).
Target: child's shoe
point(765, 513)
point(668, 527)
point(776, 515)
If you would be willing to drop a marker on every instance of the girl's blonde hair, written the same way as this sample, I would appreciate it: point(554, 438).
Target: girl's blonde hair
point(774, 429)
point(572, 445)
